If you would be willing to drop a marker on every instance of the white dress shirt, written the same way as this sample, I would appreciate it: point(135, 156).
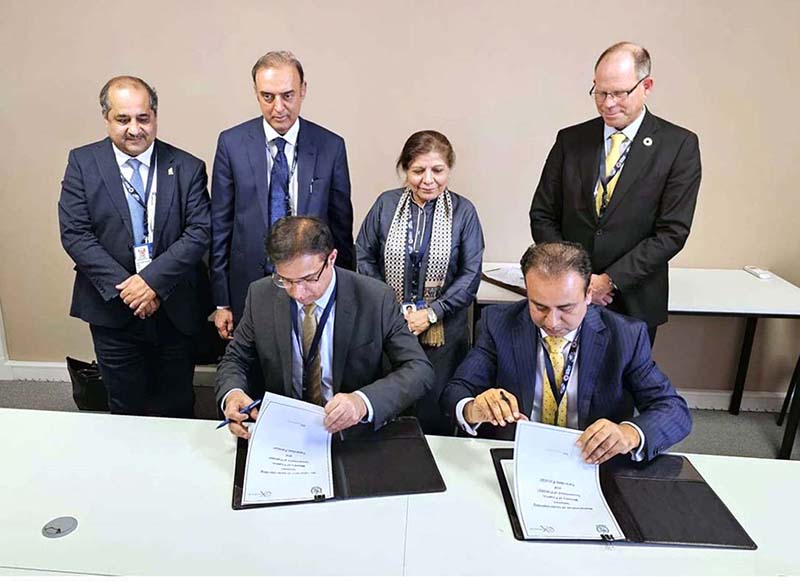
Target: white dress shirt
point(571, 394)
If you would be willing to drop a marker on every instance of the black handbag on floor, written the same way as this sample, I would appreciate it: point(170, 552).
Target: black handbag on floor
point(88, 390)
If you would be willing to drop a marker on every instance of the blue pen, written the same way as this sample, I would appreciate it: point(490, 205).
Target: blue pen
point(244, 410)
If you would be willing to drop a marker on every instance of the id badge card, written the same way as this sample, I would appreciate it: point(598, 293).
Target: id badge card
point(142, 256)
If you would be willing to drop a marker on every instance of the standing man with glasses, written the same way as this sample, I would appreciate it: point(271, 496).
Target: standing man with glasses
point(321, 334)
point(275, 165)
point(624, 185)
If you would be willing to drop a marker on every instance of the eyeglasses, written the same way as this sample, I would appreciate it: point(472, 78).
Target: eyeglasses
point(601, 96)
point(283, 282)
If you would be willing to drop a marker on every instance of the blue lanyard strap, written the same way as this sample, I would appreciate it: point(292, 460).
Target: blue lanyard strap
point(313, 350)
point(559, 392)
point(136, 196)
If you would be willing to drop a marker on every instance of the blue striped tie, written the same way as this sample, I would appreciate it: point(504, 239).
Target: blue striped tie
point(136, 209)
point(278, 183)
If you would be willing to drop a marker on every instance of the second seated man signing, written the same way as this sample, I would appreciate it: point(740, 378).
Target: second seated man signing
point(322, 334)
point(426, 242)
point(556, 358)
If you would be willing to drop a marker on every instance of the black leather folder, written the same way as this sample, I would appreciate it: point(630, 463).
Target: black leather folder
point(394, 460)
point(664, 501)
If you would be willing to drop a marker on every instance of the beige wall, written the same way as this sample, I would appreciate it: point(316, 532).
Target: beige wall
point(498, 77)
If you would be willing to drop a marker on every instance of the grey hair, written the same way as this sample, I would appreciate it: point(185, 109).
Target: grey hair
point(275, 59)
point(126, 80)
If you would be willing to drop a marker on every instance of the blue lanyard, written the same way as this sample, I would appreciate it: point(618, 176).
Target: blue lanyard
point(314, 348)
point(135, 195)
point(416, 254)
point(558, 393)
point(606, 180)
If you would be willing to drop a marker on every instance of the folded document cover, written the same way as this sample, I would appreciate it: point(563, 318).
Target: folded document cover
point(394, 460)
point(665, 501)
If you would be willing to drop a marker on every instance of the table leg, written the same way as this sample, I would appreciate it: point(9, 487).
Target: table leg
point(790, 392)
point(794, 417)
point(744, 364)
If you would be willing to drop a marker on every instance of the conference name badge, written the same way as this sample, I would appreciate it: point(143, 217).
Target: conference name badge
point(142, 256)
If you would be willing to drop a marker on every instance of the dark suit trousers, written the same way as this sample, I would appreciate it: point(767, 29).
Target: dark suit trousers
point(651, 333)
point(147, 367)
point(445, 360)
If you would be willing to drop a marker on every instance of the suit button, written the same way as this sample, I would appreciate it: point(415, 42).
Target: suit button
point(599, 232)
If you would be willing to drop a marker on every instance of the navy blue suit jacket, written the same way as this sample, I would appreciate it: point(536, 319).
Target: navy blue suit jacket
point(96, 232)
point(240, 203)
point(615, 373)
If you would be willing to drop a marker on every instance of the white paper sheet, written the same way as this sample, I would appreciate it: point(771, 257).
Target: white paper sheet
point(511, 275)
point(556, 494)
point(289, 455)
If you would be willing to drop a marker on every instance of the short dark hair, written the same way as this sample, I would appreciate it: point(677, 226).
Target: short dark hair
point(641, 58)
point(296, 236)
point(126, 80)
point(276, 59)
point(424, 142)
point(557, 258)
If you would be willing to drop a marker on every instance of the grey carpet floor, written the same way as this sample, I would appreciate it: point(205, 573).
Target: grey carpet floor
point(715, 432)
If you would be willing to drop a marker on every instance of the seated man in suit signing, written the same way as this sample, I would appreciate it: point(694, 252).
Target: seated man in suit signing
point(320, 334)
point(556, 358)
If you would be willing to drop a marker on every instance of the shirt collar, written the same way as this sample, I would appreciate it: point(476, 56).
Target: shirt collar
point(630, 131)
point(570, 337)
point(144, 157)
point(325, 297)
point(290, 136)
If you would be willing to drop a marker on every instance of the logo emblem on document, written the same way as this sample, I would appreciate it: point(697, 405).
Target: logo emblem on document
point(316, 491)
point(602, 529)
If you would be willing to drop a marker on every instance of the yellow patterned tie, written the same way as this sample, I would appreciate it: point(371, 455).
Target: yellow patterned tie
point(555, 347)
point(611, 159)
point(313, 387)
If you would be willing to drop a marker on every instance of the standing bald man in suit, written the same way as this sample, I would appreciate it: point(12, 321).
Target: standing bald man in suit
point(275, 165)
point(134, 216)
point(624, 185)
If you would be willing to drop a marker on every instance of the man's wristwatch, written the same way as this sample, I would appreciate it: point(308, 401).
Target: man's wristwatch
point(432, 316)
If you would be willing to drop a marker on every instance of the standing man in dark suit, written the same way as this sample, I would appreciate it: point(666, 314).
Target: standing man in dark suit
point(624, 185)
point(557, 359)
point(134, 216)
point(324, 335)
point(273, 166)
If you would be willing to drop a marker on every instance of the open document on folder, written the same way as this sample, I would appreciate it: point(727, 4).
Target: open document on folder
point(289, 454)
point(508, 276)
point(556, 493)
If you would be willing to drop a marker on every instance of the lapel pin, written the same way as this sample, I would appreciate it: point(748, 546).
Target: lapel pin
point(170, 172)
point(648, 141)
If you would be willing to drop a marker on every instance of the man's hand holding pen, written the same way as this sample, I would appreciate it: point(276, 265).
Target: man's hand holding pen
point(494, 405)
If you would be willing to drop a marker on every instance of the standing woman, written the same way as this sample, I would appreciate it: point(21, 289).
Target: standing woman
point(426, 242)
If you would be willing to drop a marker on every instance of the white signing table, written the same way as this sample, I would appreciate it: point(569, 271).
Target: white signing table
point(719, 293)
point(152, 496)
